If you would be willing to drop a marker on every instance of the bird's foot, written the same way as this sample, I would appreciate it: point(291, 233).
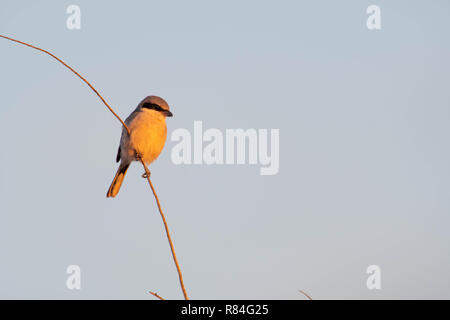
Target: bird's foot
point(146, 175)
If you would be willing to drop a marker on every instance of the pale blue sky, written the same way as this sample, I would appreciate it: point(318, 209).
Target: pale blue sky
point(364, 159)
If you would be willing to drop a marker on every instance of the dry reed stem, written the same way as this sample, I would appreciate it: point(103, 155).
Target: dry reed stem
point(71, 69)
point(147, 176)
point(145, 167)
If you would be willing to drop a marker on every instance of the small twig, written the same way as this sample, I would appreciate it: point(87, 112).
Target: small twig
point(305, 294)
point(140, 158)
point(156, 295)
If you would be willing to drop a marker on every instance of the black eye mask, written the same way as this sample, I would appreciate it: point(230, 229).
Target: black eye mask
point(156, 107)
point(153, 106)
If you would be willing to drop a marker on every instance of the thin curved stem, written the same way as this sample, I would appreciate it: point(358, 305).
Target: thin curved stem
point(147, 176)
point(71, 69)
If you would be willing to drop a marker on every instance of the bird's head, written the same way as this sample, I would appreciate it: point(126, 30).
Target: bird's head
point(156, 103)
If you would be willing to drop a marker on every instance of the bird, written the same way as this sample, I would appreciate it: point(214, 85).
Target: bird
point(148, 133)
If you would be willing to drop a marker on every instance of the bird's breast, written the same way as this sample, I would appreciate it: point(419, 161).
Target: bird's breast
point(148, 136)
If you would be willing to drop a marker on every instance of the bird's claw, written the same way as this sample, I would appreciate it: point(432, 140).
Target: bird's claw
point(145, 175)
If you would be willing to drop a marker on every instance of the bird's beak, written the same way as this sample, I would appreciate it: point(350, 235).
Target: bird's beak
point(167, 113)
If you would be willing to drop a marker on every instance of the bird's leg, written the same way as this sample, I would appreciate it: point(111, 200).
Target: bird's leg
point(137, 156)
point(146, 174)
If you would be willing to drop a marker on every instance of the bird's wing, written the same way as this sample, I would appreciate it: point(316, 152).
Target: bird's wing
point(124, 131)
point(118, 155)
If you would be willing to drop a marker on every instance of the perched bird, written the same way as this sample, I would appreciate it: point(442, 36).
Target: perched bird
point(148, 132)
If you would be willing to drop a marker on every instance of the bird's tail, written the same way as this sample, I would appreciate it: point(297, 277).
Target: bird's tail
point(118, 179)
